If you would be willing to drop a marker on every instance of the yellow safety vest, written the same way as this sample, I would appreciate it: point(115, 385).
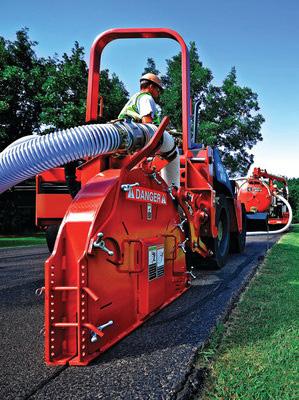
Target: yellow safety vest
point(130, 110)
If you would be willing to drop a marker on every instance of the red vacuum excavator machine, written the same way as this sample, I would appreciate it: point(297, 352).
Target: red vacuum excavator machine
point(266, 199)
point(146, 210)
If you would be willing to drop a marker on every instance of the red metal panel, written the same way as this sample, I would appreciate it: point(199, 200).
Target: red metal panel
point(76, 269)
point(52, 206)
point(52, 175)
point(279, 221)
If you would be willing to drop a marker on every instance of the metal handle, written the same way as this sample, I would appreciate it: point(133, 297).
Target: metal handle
point(180, 225)
point(182, 245)
point(169, 190)
point(191, 273)
point(126, 187)
point(100, 244)
point(39, 291)
point(154, 177)
point(94, 336)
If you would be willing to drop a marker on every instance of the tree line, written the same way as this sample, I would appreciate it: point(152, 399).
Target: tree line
point(294, 197)
point(38, 93)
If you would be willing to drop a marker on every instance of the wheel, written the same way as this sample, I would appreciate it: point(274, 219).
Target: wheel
point(220, 245)
point(51, 234)
point(238, 240)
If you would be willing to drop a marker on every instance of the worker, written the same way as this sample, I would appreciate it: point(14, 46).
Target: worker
point(142, 106)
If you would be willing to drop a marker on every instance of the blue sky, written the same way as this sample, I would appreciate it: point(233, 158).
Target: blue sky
point(260, 38)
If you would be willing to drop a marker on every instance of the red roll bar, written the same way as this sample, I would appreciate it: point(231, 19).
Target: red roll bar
point(145, 33)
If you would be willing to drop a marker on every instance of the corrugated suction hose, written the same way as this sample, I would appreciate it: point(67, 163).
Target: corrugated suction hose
point(34, 154)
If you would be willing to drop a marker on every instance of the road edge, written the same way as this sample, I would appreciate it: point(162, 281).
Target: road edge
point(195, 377)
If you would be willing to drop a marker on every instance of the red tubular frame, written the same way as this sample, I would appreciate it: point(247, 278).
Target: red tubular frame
point(262, 173)
point(144, 33)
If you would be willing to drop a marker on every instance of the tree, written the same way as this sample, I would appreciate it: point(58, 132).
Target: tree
point(63, 96)
point(21, 76)
point(230, 120)
point(293, 185)
point(64, 90)
point(150, 67)
point(200, 77)
point(229, 117)
point(114, 95)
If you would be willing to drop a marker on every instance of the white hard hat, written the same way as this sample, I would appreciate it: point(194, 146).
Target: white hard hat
point(152, 78)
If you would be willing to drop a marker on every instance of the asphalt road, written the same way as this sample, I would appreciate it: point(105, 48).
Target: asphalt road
point(154, 362)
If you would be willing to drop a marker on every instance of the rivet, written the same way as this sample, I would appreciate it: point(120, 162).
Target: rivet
point(52, 347)
point(84, 354)
point(52, 318)
point(52, 282)
point(52, 354)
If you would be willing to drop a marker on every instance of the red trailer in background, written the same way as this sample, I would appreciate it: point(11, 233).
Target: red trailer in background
point(266, 194)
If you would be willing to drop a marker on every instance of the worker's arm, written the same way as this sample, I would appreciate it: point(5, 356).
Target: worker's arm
point(146, 108)
point(147, 119)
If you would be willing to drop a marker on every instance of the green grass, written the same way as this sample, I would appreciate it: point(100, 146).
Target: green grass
point(22, 241)
point(255, 354)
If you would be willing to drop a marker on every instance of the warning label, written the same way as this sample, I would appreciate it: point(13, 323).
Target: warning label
point(254, 189)
point(155, 262)
point(146, 195)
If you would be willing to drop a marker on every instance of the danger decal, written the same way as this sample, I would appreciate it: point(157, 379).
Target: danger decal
point(146, 195)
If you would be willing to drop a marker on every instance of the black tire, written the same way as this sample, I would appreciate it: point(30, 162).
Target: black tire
point(238, 240)
point(220, 245)
point(51, 234)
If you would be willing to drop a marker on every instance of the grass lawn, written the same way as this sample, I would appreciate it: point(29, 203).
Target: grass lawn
point(22, 241)
point(255, 354)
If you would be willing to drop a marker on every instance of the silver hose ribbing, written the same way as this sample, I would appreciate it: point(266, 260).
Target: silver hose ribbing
point(34, 154)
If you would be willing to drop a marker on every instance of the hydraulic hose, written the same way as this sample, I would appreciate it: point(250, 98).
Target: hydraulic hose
point(261, 233)
point(34, 154)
